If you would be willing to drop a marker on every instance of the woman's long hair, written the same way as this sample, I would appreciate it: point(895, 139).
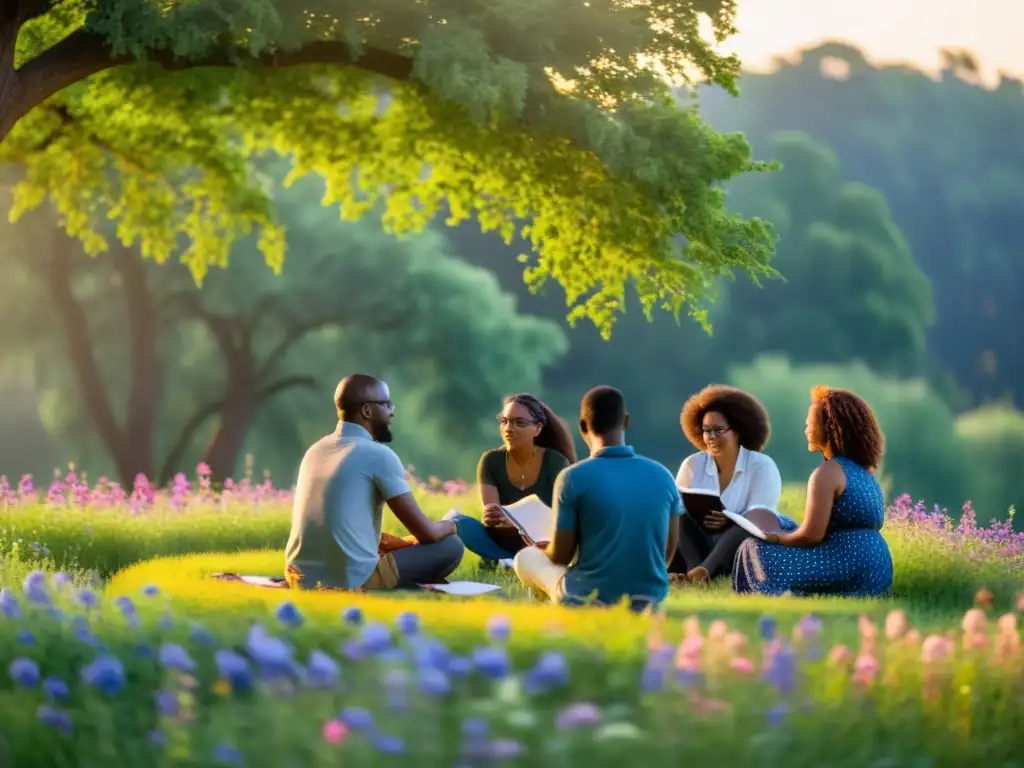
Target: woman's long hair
point(554, 434)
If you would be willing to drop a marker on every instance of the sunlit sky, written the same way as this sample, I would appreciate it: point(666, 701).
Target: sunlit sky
point(888, 31)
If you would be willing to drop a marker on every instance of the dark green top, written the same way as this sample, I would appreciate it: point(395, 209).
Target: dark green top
point(493, 470)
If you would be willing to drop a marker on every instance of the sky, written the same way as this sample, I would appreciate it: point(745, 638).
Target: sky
point(888, 31)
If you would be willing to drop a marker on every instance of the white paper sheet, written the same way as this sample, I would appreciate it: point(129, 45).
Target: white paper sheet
point(532, 517)
point(463, 588)
point(745, 524)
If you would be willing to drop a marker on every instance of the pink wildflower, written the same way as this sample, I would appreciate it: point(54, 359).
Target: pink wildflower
point(935, 648)
point(865, 669)
point(841, 656)
point(742, 665)
point(335, 732)
point(896, 624)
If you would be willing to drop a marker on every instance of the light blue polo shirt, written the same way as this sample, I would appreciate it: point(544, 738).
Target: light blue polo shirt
point(619, 504)
point(344, 481)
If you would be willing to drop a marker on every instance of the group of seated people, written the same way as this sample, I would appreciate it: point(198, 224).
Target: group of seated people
point(621, 532)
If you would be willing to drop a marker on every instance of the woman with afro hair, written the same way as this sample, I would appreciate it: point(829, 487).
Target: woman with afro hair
point(729, 428)
point(838, 549)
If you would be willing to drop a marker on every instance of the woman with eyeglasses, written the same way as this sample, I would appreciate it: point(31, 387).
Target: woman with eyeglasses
point(729, 428)
point(536, 447)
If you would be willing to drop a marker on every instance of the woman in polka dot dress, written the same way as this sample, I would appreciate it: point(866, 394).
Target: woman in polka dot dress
point(838, 549)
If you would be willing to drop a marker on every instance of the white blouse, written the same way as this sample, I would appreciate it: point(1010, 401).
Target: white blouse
point(756, 482)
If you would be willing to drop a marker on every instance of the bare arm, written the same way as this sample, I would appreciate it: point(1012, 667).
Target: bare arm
point(824, 485)
point(564, 539)
point(424, 530)
point(673, 539)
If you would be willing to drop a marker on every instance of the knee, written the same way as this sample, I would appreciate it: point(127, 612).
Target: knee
point(527, 560)
point(465, 525)
point(451, 549)
point(763, 518)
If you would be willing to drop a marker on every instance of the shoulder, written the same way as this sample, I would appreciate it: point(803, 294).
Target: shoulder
point(656, 468)
point(553, 458)
point(492, 456)
point(690, 462)
point(757, 460)
point(381, 453)
point(831, 471)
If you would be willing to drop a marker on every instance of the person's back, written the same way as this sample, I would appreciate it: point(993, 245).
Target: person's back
point(338, 508)
point(623, 504)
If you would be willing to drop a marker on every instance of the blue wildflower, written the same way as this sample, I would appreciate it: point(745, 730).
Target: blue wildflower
point(235, 669)
point(408, 623)
point(352, 616)
point(157, 738)
point(357, 718)
point(492, 663)
point(580, 715)
point(776, 716)
point(125, 605)
point(60, 580)
point(34, 588)
point(395, 684)
point(166, 621)
point(499, 628)
point(429, 653)
point(25, 637)
point(502, 750)
point(9, 605)
point(225, 754)
point(782, 671)
point(392, 656)
point(289, 615)
point(87, 598)
point(323, 671)
point(550, 671)
point(375, 638)
point(459, 667)
point(767, 627)
point(166, 702)
point(202, 636)
point(656, 668)
point(272, 655)
point(173, 656)
point(150, 590)
point(388, 745)
point(24, 672)
point(144, 651)
point(56, 689)
point(105, 674)
point(434, 682)
point(52, 717)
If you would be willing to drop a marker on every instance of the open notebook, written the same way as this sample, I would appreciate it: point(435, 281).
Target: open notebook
point(700, 502)
point(534, 519)
point(462, 588)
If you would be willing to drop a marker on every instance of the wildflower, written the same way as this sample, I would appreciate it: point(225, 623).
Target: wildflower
point(388, 745)
point(105, 674)
point(352, 616)
point(24, 672)
point(272, 655)
point(60, 580)
point(718, 631)
point(610, 731)
point(323, 671)
point(150, 590)
point(87, 598)
point(225, 754)
point(173, 656)
point(735, 643)
point(742, 665)
point(408, 623)
point(868, 634)
point(52, 717)
point(767, 627)
point(56, 689)
point(334, 732)
point(126, 606)
point(974, 621)
point(434, 682)
point(841, 656)
point(550, 671)
point(865, 669)
point(579, 715)
point(782, 672)
point(935, 648)
point(201, 636)
point(221, 688)
point(505, 749)
point(375, 638)
point(1007, 623)
point(9, 605)
point(492, 663)
point(34, 588)
point(983, 598)
point(289, 615)
point(1019, 603)
point(776, 716)
point(357, 719)
point(499, 628)
point(896, 625)
point(24, 637)
point(430, 653)
point(166, 702)
point(157, 738)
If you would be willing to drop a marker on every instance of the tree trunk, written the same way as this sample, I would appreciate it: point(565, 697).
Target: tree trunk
point(9, 91)
point(241, 403)
point(130, 460)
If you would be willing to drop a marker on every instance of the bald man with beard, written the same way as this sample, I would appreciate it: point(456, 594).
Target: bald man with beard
point(345, 479)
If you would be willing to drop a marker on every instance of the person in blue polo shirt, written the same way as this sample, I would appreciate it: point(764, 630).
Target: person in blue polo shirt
point(616, 519)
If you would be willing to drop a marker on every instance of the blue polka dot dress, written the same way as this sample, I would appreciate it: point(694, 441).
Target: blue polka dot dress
point(853, 559)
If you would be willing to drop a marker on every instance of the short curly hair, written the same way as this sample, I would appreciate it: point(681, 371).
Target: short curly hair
point(741, 410)
point(845, 423)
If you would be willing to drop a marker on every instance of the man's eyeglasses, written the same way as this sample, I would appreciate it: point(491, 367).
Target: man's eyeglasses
point(384, 403)
point(714, 431)
point(504, 421)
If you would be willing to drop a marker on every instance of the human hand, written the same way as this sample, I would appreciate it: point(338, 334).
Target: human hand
point(715, 521)
point(494, 517)
point(772, 538)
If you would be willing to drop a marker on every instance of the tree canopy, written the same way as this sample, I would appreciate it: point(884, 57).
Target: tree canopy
point(549, 119)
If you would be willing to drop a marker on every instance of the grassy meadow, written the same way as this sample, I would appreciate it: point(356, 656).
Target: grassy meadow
point(119, 647)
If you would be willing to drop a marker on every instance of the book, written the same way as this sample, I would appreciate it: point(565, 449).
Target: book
point(699, 503)
point(534, 519)
point(462, 588)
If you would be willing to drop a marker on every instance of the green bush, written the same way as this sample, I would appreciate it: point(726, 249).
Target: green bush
point(994, 441)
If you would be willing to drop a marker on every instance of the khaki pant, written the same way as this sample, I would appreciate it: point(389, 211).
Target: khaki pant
point(536, 571)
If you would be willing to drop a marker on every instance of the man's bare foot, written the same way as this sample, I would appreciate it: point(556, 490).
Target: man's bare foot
point(677, 579)
point(699, 575)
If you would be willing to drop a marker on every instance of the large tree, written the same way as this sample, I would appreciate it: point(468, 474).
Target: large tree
point(193, 365)
point(548, 118)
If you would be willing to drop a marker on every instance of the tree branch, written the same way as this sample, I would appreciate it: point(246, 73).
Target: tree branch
point(223, 327)
point(288, 382)
point(84, 53)
point(185, 437)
